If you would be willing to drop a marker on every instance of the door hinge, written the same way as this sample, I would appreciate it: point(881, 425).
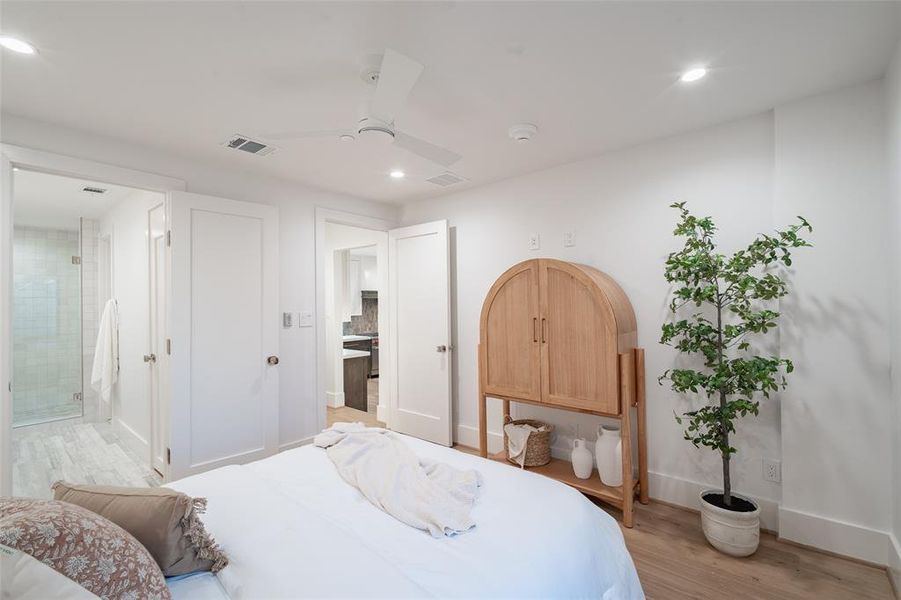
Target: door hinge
point(168, 456)
point(168, 346)
point(76, 260)
point(168, 237)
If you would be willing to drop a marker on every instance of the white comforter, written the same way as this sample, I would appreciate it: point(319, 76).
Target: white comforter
point(293, 528)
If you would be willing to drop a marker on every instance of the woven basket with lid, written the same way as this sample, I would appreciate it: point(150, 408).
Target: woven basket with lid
point(538, 446)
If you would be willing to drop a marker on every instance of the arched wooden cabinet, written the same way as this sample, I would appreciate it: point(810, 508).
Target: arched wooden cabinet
point(563, 335)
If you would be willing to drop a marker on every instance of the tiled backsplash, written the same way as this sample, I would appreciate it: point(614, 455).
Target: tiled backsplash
point(368, 322)
point(47, 342)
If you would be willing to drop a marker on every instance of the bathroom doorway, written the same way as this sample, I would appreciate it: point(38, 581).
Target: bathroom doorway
point(81, 314)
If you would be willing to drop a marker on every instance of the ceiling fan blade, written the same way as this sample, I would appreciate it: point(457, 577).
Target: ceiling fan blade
point(298, 135)
point(426, 150)
point(397, 76)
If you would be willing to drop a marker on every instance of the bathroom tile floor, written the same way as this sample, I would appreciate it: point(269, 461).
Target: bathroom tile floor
point(76, 452)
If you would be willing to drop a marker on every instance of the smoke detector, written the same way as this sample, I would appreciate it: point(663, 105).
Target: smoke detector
point(522, 132)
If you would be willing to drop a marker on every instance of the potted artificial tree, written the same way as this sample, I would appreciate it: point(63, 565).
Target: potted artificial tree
point(731, 299)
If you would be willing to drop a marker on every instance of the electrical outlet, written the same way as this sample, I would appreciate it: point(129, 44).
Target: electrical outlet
point(534, 241)
point(772, 470)
point(569, 239)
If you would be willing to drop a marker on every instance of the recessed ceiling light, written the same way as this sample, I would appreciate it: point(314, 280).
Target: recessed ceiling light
point(16, 45)
point(397, 174)
point(693, 74)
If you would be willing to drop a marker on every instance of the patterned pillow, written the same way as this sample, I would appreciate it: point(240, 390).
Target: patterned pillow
point(88, 549)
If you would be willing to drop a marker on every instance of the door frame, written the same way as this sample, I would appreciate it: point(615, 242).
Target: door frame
point(323, 217)
point(14, 156)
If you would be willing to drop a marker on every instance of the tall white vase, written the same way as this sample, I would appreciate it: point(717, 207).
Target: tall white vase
point(609, 455)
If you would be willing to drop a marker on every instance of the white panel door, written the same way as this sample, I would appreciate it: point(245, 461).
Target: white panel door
point(158, 360)
point(223, 324)
point(419, 327)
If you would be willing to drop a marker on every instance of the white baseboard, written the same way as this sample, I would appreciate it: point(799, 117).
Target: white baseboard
point(894, 564)
point(846, 539)
point(130, 437)
point(296, 444)
point(469, 436)
point(334, 399)
point(381, 414)
point(684, 492)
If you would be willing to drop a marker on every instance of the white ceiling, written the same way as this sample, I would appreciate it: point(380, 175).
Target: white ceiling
point(184, 76)
point(57, 202)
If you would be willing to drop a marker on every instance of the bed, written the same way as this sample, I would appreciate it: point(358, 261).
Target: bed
point(293, 528)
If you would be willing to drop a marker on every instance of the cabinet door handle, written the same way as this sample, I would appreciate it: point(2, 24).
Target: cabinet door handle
point(543, 330)
point(535, 329)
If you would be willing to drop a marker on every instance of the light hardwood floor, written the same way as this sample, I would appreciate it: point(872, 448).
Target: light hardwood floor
point(675, 562)
point(75, 452)
point(352, 415)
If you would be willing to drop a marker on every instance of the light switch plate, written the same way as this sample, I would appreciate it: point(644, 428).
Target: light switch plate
point(305, 318)
point(569, 239)
point(287, 320)
point(534, 241)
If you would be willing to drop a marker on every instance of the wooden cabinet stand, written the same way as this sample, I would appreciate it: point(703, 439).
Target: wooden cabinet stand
point(562, 335)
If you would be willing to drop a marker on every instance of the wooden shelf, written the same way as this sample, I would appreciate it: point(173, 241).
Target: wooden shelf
point(562, 471)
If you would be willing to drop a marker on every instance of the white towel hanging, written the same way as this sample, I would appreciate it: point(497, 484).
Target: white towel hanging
point(105, 371)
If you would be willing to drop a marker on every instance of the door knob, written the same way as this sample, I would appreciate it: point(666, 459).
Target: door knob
point(441, 348)
point(150, 358)
point(272, 360)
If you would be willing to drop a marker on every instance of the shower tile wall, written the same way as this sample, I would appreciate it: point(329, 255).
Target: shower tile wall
point(46, 325)
point(90, 311)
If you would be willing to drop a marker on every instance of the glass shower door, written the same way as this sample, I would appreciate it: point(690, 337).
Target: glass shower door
point(47, 344)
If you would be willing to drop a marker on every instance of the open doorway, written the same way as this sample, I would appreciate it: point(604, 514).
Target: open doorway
point(85, 363)
point(355, 270)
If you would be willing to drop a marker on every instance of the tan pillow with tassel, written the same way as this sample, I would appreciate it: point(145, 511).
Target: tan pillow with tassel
point(166, 522)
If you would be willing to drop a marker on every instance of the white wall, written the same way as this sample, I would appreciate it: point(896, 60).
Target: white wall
point(126, 224)
point(617, 206)
point(893, 129)
point(830, 167)
point(296, 202)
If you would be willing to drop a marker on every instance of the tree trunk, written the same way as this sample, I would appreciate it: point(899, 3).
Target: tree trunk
point(724, 429)
point(727, 481)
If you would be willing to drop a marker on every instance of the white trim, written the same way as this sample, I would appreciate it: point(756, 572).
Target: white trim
point(60, 164)
point(832, 535)
point(684, 492)
point(322, 216)
point(132, 439)
point(334, 399)
point(381, 413)
point(894, 564)
point(296, 444)
point(468, 435)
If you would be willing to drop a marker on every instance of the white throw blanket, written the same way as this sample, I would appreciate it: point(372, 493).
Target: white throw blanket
point(106, 356)
point(422, 493)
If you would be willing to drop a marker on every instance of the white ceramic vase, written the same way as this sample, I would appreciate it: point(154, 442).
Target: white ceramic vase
point(583, 462)
point(609, 454)
point(731, 532)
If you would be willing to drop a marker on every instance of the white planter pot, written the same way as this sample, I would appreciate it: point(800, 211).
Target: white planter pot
point(731, 532)
point(609, 455)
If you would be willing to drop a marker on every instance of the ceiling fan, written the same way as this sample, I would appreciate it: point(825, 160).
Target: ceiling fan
point(394, 78)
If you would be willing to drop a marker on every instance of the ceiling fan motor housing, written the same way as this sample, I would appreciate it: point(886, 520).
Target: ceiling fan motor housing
point(372, 127)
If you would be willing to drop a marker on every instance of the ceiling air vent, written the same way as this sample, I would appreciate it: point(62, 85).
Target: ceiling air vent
point(446, 179)
point(93, 190)
point(245, 144)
